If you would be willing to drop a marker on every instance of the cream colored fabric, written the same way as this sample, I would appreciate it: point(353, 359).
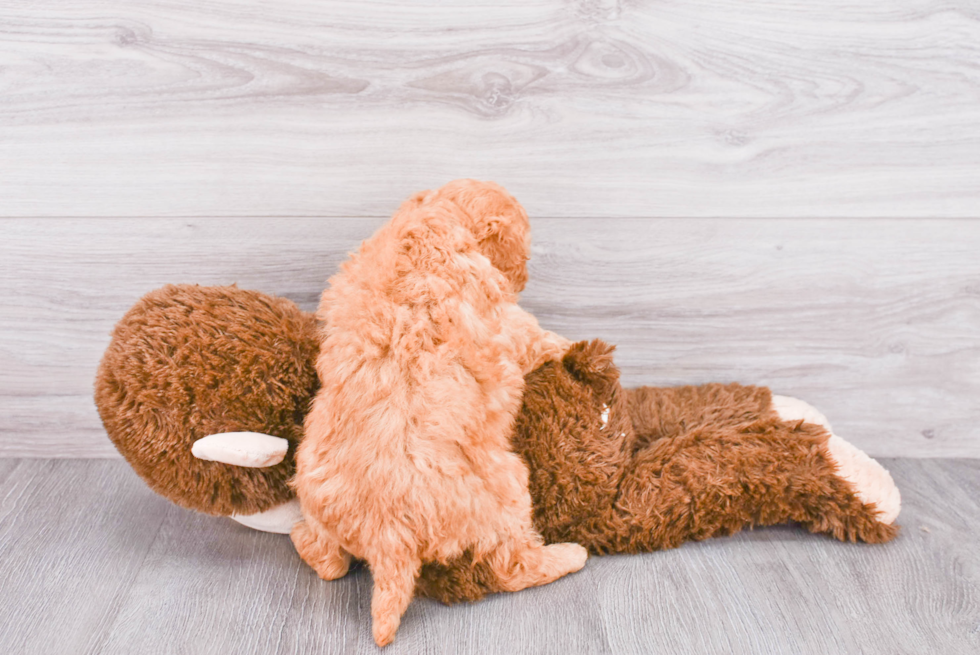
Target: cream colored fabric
point(252, 449)
point(794, 409)
point(280, 519)
point(872, 483)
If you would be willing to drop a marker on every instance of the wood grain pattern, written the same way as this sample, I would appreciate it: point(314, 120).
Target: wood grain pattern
point(872, 321)
point(590, 108)
point(92, 562)
point(70, 550)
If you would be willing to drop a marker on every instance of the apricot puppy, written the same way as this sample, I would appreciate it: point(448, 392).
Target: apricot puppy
point(406, 457)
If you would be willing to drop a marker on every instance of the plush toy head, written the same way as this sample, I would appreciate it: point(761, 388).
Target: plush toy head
point(189, 361)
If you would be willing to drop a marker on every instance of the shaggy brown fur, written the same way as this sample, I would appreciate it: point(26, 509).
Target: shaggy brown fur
point(670, 466)
point(189, 361)
point(407, 455)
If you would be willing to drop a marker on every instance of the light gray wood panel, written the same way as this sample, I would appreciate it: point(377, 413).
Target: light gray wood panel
point(90, 550)
point(52, 425)
point(584, 108)
point(873, 321)
point(72, 538)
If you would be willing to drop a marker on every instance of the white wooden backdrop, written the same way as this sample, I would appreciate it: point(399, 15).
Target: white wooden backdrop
point(772, 192)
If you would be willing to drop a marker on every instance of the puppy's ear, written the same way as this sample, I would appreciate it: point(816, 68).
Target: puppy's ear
point(591, 362)
point(505, 244)
point(417, 199)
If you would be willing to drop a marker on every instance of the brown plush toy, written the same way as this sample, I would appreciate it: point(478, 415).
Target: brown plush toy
point(210, 372)
point(627, 471)
point(188, 362)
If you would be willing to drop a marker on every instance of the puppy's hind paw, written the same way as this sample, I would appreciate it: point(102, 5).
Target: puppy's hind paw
point(329, 561)
point(569, 557)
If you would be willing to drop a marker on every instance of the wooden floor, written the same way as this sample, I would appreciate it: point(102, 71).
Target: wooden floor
point(91, 561)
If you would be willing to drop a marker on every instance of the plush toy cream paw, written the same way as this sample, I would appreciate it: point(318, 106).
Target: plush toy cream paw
point(871, 481)
point(255, 450)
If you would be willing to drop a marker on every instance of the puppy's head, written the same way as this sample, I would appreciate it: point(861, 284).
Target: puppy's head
point(496, 219)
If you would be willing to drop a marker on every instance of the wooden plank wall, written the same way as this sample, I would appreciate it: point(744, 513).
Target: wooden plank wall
point(872, 321)
point(775, 108)
point(782, 193)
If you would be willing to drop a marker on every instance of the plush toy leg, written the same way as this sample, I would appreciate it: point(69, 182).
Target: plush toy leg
point(279, 519)
point(320, 551)
point(709, 484)
point(871, 481)
point(711, 460)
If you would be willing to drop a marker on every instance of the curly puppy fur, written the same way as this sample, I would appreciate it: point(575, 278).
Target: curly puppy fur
point(407, 455)
point(667, 466)
point(189, 361)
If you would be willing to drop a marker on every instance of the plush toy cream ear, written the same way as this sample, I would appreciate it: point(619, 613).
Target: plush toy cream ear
point(252, 449)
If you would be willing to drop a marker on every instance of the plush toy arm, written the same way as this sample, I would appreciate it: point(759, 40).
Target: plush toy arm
point(252, 449)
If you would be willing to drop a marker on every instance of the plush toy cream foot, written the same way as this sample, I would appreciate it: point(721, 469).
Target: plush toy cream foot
point(871, 481)
point(254, 450)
